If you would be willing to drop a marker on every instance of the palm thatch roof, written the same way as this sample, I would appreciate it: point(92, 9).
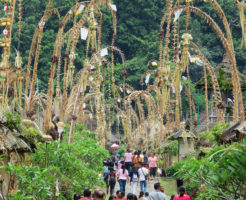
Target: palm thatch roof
point(236, 131)
point(11, 141)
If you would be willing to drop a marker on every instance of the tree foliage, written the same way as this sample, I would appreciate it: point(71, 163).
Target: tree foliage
point(220, 175)
point(74, 167)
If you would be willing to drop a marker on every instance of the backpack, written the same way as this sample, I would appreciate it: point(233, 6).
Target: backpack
point(145, 175)
point(112, 179)
point(134, 177)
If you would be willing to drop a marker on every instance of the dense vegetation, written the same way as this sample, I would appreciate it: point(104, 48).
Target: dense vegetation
point(74, 167)
point(221, 174)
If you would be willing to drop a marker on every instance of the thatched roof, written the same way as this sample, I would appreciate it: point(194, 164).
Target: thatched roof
point(234, 130)
point(182, 134)
point(12, 142)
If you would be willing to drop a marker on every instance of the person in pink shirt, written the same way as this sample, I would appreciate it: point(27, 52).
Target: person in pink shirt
point(153, 164)
point(122, 177)
point(182, 195)
point(128, 159)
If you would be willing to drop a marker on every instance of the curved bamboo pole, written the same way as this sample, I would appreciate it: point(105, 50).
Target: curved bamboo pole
point(215, 84)
point(46, 16)
point(237, 93)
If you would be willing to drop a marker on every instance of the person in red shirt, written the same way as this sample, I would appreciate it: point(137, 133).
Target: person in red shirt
point(118, 195)
point(182, 195)
point(87, 195)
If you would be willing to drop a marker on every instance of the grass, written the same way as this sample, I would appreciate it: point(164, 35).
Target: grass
point(169, 185)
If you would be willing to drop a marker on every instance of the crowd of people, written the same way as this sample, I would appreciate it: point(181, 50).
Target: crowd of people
point(136, 169)
point(157, 194)
point(133, 168)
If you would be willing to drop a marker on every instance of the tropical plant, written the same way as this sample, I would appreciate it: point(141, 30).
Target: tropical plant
point(220, 175)
point(61, 169)
point(214, 135)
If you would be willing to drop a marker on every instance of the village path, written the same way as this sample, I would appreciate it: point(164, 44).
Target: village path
point(150, 187)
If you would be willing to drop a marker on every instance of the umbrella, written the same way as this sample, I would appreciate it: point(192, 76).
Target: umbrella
point(114, 146)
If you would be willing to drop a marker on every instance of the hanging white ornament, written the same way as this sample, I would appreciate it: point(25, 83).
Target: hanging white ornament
point(104, 52)
point(84, 33)
point(84, 105)
point(147, 79)
point(91, 78)
point(81, 8)
point(113, 7)
point(177, 14)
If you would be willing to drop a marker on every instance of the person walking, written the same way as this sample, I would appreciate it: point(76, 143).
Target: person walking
point(128, 159)
point(143, 175)
point(158, 194)
point(122, 177)
point(134, 180)
point(137, 161)
point(182, 195)
point(112, 180)
point(153, 164)
point(145, 157)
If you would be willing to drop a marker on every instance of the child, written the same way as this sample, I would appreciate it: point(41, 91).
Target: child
point(134, 180)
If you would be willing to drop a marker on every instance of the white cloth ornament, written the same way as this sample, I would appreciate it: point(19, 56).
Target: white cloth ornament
point(177, 14)
point(84, 33)
point(104, 52)
point(81, 8)
point(147, 79)
point(113, 7)
point(91, 78)
point(184, 78)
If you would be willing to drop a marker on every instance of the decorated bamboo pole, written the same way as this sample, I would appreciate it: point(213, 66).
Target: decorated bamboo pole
point(206, 95)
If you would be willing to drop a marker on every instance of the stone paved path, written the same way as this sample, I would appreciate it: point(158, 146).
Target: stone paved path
point(169, 186)
point(150, 186)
